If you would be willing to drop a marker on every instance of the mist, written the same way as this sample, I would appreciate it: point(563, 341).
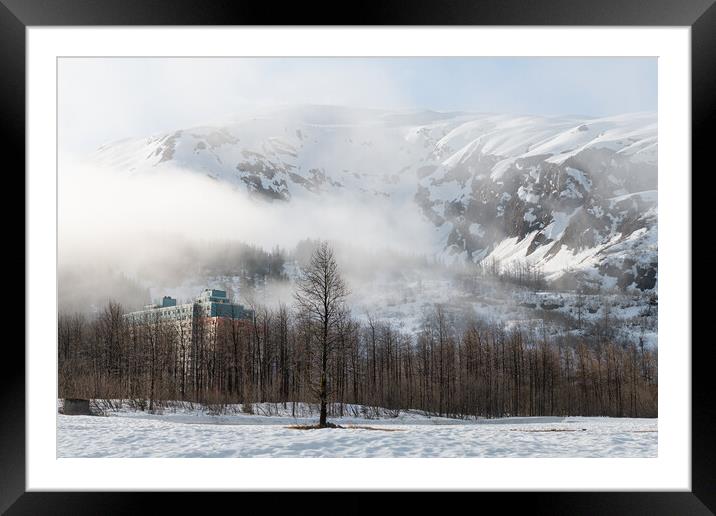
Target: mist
point(166, 228)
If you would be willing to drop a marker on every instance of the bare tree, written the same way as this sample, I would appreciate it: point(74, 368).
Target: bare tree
point(321, 294)
point(453, 366)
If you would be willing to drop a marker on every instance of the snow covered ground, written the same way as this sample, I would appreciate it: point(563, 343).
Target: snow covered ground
point(195, 433)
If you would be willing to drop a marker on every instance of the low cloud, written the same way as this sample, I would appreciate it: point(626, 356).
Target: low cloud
point(112, 217)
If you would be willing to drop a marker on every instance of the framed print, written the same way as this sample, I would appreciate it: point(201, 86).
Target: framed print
point(425, 249)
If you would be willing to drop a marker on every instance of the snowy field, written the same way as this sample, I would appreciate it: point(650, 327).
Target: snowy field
point(195, 433)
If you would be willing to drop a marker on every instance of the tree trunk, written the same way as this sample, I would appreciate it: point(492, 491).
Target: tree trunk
point(323, 387)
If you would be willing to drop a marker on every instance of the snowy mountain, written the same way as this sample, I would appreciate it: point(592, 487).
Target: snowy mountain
point(573, 195)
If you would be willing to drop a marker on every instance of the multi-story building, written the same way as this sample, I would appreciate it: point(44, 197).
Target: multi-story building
point(211, 303)
point(194, 330)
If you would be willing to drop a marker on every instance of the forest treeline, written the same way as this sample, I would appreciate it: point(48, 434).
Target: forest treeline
point(460, 370)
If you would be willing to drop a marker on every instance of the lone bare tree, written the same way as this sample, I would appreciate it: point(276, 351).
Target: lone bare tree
point(321, 294)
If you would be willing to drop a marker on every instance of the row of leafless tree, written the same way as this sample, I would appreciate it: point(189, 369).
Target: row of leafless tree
point(522, 273)
point(477, 371)
point(318, 351)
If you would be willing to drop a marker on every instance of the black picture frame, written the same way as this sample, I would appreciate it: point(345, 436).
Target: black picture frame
point(700, 15)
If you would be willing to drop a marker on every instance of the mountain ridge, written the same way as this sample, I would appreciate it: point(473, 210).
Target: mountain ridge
point(574, 196)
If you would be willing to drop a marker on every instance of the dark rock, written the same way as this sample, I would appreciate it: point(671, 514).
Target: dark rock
point(76, 407)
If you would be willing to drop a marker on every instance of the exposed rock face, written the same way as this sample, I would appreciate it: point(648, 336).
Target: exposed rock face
point(574, 196)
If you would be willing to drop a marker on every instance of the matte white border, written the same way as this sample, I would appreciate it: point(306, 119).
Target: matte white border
point(671, 470)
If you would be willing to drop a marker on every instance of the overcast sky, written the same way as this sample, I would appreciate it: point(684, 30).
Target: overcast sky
point(105, 99)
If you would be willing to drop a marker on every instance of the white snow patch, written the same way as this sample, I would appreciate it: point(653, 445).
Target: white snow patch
point(556, 229)
point(579, 176)
point(527, 195)
point(476, 229)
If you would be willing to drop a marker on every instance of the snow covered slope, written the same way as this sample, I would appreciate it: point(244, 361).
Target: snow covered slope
point(575, 196)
